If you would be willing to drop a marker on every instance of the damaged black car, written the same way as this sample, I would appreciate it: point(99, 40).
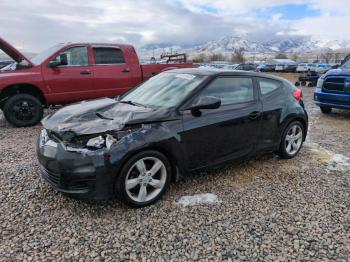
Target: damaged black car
point(177, 122)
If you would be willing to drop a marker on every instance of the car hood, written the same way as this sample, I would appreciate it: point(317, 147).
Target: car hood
point(13, 52)
point(338, 72)
point(101, 115)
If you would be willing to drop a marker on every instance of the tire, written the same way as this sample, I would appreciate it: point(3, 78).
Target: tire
point(143, 182)
point(326, 109)
point(23, 110)
point(285, 151)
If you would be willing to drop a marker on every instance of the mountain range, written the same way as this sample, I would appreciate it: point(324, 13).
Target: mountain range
point(226, 45)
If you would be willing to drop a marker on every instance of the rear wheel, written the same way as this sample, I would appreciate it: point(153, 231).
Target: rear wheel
point(143, 179)
point(23, 110)
point(326, 109)
point(292, 140)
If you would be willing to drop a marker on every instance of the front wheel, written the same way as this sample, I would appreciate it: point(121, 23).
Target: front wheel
point(326, 109)
point(23, 110)
point(143, 179)
point(292, 140)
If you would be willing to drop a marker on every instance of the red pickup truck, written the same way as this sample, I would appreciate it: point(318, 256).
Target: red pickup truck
point(67, 73)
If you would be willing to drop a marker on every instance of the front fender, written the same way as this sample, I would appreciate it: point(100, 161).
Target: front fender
point(162, 137)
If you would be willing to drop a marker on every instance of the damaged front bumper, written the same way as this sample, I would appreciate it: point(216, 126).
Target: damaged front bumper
point(80, 173)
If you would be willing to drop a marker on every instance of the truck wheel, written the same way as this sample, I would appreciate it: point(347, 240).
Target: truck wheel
point(326, 109)
point(23, 110)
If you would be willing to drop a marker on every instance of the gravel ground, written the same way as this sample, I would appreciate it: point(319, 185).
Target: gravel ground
point(267, 208)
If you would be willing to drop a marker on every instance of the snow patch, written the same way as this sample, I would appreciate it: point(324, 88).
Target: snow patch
point(339, 162)
point(206, 198)
point(333, 161)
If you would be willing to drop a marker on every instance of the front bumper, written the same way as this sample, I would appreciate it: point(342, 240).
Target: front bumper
point(335, 100)
point(82, 174)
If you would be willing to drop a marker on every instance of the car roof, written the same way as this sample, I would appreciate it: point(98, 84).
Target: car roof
point(222, 72)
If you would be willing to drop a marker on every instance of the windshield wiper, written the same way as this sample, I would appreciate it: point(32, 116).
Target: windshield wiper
point(129, 102)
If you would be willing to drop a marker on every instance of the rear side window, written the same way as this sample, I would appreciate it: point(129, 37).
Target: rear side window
point(268, 86)
point(231, 90)
point(108, 56)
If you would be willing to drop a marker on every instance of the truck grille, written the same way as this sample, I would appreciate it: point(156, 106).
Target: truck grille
point(51, 177)
point(334, 84)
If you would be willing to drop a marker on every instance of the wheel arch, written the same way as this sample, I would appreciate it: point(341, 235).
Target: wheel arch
point(293, 119)
point(22, 88)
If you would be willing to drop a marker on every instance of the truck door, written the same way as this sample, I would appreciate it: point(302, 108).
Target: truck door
point(113, 74)
point(73, 81)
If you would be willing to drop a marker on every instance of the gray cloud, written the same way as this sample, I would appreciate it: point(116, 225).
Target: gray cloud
point(37, 24)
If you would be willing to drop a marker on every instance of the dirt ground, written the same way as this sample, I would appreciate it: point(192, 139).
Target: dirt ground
point(267, 208)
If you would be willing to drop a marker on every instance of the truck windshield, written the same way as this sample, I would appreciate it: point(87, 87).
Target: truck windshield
point(346, 65)
point(41, 57)
point(164, 90)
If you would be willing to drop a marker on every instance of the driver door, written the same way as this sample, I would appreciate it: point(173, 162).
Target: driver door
point(230, 131)
point(72, 81)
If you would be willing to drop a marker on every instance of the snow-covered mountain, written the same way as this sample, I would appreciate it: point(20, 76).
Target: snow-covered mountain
point(226, 45)
point(229, 44)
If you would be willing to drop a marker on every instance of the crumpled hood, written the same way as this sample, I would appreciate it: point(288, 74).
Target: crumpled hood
point(338, 72)
point(101, 115)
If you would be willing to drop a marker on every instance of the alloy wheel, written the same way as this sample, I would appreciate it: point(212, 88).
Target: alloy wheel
point(145, 179)
point(294, 139)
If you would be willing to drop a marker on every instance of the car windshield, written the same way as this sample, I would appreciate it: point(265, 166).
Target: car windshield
point(346, 65)
point(164, 90)
point(41, 57)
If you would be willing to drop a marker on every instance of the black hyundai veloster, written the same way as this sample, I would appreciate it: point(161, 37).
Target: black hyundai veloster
point(177, 122)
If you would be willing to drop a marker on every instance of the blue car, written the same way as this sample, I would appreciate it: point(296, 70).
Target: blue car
point(333, 88)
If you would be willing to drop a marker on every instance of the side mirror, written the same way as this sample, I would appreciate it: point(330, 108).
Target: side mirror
point(54, 64)
point(63, 60)
point(205, 102)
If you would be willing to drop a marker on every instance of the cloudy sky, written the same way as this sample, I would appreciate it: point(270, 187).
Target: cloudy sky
point(33, 25)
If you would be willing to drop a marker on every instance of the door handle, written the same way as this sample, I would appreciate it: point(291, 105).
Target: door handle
point(85, 72)
point(254, 115)
point(126, 70)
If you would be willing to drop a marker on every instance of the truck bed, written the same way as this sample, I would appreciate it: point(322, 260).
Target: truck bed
point(149, 70)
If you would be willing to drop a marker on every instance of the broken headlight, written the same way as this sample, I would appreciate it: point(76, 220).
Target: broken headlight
point(99, 142)
point(96, 142)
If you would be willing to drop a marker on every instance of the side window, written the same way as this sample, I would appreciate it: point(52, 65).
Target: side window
point(268, 86)
point(231, 90)
point(76, 56)
point(108, 56)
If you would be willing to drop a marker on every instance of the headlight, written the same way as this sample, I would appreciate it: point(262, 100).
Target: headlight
point(320, 82)
point(44, 137)
point(96, 142)
point(99, 142)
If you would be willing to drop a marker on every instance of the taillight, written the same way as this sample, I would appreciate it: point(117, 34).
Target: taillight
point(298, 94)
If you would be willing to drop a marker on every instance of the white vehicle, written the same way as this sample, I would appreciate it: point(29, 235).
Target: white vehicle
point(303, 67)
point(280, 68)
